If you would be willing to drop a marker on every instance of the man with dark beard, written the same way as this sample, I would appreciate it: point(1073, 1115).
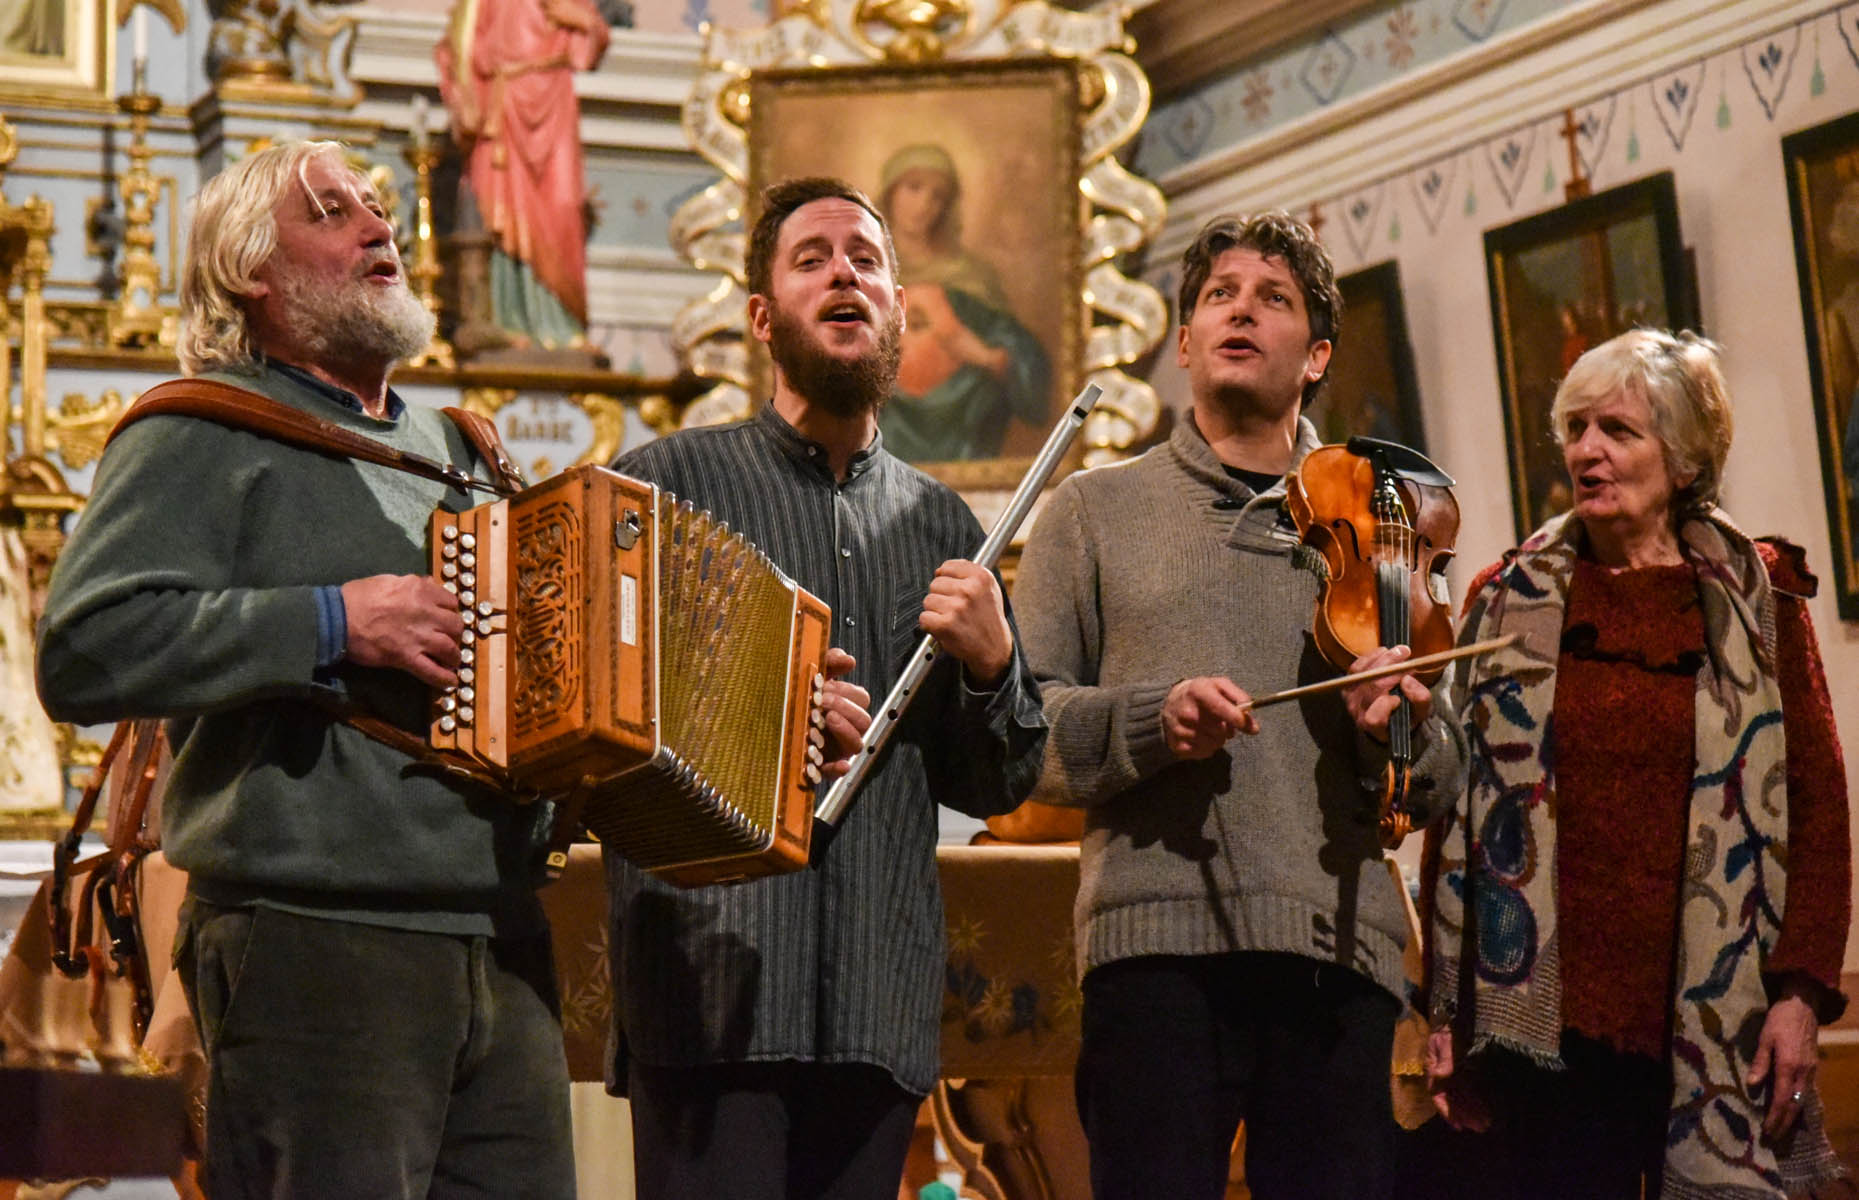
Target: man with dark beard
point(362, 946)
point(777, 1038)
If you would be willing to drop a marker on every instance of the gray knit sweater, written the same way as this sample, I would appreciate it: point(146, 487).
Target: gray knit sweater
point(1136, 577)
point(188, 592)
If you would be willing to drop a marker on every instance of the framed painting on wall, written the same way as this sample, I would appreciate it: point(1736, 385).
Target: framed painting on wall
point(1823, 197)
point(1371, 387)
point(1564, 281)
point(54, 49)
point(975, 167)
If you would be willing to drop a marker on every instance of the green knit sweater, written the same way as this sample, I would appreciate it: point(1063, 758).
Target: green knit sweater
point(187, 591)
point(1136, 577)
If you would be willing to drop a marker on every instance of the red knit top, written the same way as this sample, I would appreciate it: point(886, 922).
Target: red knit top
point(1624, 757)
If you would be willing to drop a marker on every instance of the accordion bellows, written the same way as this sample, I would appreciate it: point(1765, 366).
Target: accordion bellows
point(618, 636)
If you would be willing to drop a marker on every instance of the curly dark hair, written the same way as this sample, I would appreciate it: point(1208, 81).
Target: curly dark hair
point(1275, 235)
point(779, 202)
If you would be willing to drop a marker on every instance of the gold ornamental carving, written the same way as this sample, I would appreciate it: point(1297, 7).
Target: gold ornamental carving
point(288, 51)
point(605, 413)
point(1118, 212)
point(138, 318)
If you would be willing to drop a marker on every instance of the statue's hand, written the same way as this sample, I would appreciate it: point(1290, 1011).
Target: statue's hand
point(569, 14)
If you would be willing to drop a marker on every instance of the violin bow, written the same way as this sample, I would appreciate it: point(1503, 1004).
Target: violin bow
point(1404, 667)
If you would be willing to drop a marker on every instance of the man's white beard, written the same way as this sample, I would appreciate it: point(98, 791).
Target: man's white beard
point(359, 321)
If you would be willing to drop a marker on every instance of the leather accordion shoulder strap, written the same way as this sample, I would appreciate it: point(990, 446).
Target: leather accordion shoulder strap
point(238, 408)
point(482, 433)
point(109, 886)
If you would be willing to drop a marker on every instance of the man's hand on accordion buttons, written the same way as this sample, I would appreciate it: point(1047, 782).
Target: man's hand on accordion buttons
point(964, 612)
point(845, 709)
point(407, 622)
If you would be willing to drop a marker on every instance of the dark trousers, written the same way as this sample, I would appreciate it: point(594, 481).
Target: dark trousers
point(1595, 1130)
point(1178, 1051)
point(351, 1062)
point(769, 1131)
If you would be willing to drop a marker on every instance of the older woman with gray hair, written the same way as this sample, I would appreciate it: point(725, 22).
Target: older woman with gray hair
point(1638, 910)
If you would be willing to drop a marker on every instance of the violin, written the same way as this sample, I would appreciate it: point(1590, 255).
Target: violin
point(1377, 521)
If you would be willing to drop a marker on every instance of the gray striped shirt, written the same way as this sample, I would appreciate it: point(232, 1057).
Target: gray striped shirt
point(843, 962)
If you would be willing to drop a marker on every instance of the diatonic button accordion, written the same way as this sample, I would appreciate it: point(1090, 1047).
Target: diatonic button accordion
point(621, 640)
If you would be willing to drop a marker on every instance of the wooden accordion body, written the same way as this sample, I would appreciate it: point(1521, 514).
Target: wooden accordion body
point(616, 635)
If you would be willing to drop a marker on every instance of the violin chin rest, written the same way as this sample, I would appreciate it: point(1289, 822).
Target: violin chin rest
point(1405, 462)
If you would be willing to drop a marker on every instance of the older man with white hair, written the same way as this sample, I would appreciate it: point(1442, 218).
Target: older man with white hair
point(362, 945)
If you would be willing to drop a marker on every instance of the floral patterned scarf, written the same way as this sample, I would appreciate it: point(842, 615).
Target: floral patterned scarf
point(1496, 966)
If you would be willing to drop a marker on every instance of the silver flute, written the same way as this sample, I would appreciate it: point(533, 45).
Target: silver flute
point(838, 798)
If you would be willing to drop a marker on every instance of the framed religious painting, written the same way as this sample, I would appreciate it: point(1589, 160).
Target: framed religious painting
point(1823, 197)
point(975, 168)
point(1371, 388)
point(53, 50)
point(1561, 282)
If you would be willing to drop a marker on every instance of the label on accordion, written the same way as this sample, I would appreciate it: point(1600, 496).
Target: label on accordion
point(629, 610)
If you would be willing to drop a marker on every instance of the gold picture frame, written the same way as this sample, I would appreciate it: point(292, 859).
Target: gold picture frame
point(1822, 165)
point(1561, 283)
point(988, 252)
point(53, 50)
point(915, 69)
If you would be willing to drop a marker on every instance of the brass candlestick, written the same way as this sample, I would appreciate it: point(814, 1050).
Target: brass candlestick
point(425, 270)
point(137, 318)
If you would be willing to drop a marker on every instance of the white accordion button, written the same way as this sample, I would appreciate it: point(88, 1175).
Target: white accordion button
point(467, 694)
point(449, 550)
point(471, 635)
point(465, 674)
point(448, 724)
point(468, 578)
point(467, 559)
point(469, 541)
point(449, 586)
point(464, 714)
point(447, 703)
point(485, 609)
point(484, 627)
point(466, 599)
point(449, 532)
point(449, 570)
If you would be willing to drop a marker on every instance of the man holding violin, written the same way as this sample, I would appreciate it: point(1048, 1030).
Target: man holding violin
point(1238, 935)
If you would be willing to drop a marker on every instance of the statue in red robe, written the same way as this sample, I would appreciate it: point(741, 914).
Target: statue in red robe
point(506, 73)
